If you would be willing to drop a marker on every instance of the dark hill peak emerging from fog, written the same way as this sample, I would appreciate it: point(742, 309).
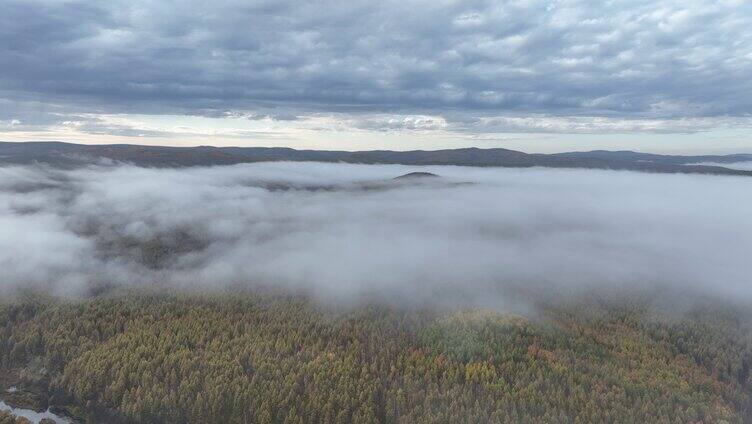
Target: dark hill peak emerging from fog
point(73, 155)
point(416, 175)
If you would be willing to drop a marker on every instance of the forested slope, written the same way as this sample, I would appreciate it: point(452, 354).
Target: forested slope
point(7, 418)
point(271, 358)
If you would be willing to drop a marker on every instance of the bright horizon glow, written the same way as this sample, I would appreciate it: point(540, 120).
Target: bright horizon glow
point(723, 142)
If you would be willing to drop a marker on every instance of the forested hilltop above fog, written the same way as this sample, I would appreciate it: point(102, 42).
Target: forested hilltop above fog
point(67, 154)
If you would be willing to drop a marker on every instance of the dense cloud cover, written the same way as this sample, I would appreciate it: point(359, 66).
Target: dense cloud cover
point(477, 66)
point(350, 232)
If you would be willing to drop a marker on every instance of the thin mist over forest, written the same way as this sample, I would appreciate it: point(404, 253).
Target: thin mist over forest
point(352, 233)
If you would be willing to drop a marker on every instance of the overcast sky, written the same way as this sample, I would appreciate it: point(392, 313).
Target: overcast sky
point(532, 75)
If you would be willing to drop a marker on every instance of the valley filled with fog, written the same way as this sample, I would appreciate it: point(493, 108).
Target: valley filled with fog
point(349, 233)
point(325, 292)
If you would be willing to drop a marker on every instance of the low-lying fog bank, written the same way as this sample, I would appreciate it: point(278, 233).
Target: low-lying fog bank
point(350, 232)
point(741, 166)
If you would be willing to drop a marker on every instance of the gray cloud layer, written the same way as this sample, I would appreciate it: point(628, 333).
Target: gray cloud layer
point(349, 232)
point(634, 59)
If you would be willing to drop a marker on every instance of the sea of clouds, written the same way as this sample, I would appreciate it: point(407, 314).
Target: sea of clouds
point(351, 232)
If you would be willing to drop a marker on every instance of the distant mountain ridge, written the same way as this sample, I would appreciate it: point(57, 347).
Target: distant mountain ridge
point(71, 155)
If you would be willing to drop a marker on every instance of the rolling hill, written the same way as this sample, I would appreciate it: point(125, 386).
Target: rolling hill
point(71, 155)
